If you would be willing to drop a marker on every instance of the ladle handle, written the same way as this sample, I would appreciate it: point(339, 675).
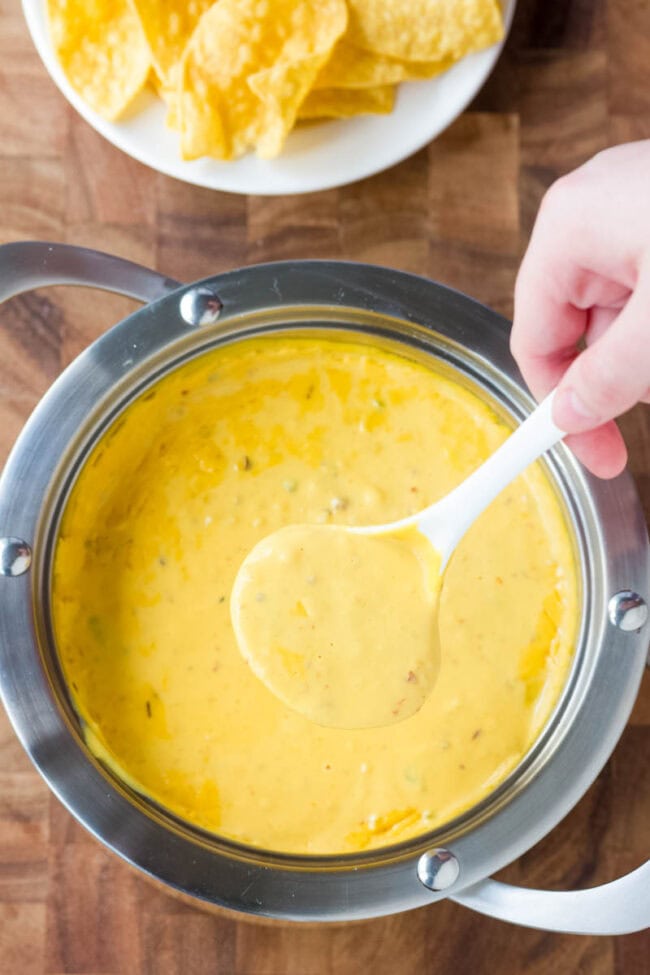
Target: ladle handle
point(25, 265)
point(620, 907)
point(537, 434)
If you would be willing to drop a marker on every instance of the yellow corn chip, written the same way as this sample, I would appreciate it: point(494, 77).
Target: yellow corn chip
point(353, 67)
point(281, 90)
point(345, 102)
point(168, 25)
point(172, 119)
point(246, 70)
point(169, 94)
point(424, 30)
point(102, 50)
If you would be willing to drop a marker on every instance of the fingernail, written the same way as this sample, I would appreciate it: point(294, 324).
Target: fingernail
point(572, 414)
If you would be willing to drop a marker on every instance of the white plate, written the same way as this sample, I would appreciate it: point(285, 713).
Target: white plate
point(317, 157)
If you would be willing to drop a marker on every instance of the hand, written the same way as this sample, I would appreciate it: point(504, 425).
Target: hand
point(585, 281)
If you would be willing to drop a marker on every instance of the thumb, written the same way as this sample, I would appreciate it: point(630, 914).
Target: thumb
point(613, 374)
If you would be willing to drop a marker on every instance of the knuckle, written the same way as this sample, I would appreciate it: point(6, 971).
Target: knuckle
point(558, 198)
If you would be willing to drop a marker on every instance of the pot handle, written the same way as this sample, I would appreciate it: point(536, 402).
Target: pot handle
point(620, 907)
point(25, 265)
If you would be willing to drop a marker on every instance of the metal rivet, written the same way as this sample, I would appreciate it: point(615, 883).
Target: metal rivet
point(438, 869)
point(200, 306)
point(627, 610)
point(15, 556)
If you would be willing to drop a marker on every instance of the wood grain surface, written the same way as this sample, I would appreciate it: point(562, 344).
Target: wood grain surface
point(574, 78)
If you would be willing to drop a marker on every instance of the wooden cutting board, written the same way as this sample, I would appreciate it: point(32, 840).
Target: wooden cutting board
point(575, 77)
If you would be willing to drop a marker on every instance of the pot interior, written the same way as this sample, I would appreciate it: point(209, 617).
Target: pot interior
point(449, 362)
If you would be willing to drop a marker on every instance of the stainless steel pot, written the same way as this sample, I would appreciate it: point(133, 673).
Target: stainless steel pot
point(377, 305)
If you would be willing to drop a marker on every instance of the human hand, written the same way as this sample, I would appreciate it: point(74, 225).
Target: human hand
point(585, 281)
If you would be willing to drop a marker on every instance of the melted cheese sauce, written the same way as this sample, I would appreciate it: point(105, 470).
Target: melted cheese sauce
point(341, 626)
point(228, 448)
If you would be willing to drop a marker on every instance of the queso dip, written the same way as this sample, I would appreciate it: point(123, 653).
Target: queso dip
point(215, 456)
point(342, 626)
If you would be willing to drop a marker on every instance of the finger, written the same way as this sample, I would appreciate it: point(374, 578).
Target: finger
point(602, 451)
point(544, 373)
point(611, 375)
point(545, 332)
point(544, 370)
point(600, 320)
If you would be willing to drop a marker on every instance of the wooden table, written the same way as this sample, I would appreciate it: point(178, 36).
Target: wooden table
point(574, 78)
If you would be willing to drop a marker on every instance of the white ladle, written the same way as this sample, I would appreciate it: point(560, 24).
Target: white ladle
point(318, 661)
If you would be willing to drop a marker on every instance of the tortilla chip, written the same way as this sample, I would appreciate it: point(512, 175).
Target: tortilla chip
point(169, 95)
point(168, 26)
point(346, 102)
point(424, 30)
point(246, 70)
point(102, 50)
point(352, 67)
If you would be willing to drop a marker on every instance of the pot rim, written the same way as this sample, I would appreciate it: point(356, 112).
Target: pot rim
point(568, 754)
